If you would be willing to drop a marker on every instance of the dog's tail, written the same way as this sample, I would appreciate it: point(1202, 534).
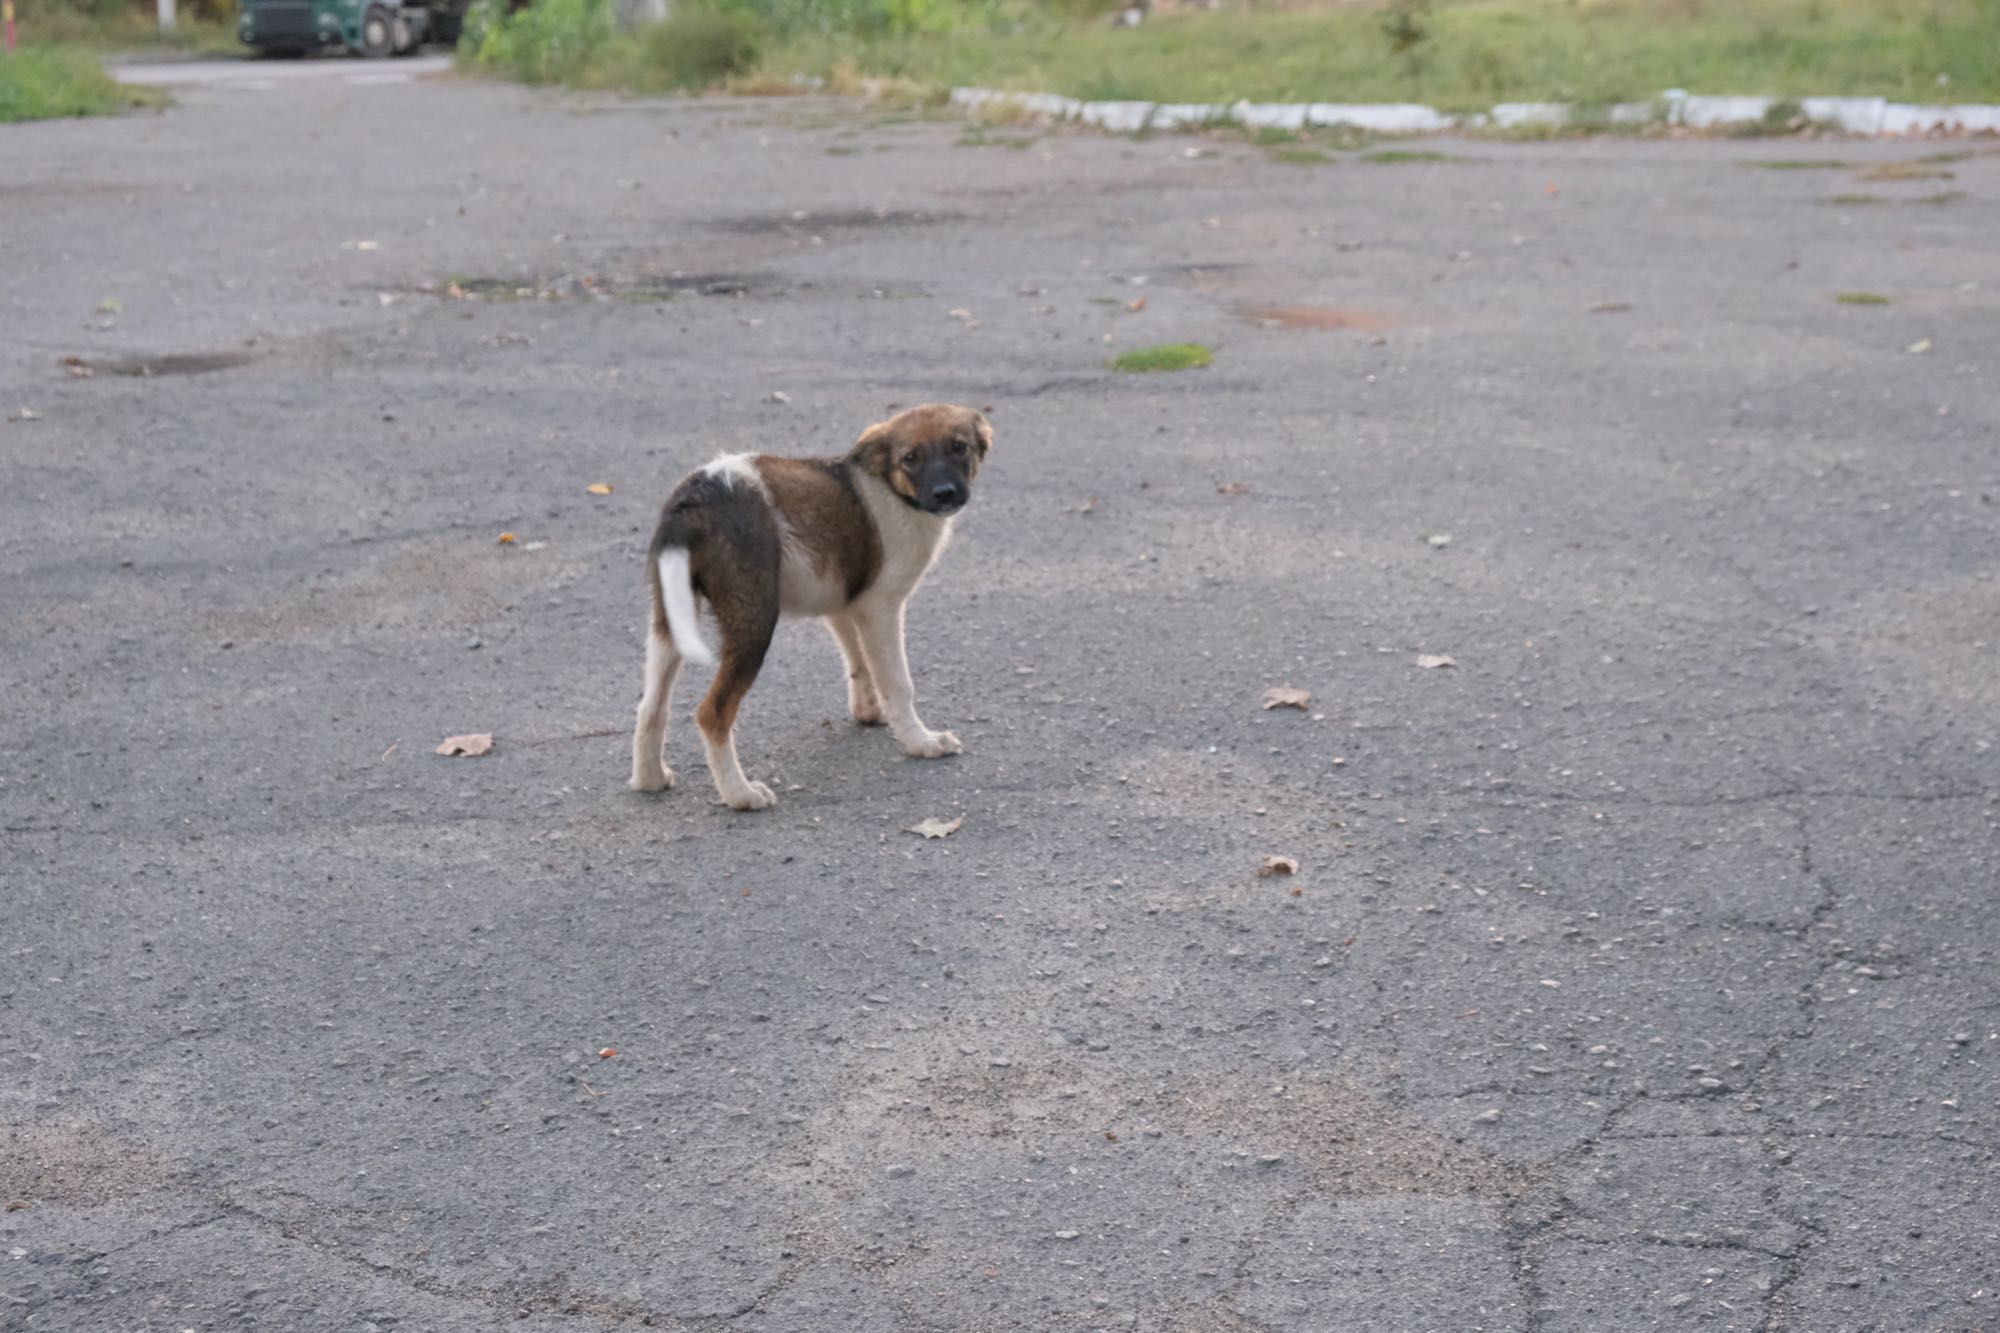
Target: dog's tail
point(677, 597)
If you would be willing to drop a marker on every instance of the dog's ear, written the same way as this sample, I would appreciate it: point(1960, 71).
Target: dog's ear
point(873, 451)
point(984, 428)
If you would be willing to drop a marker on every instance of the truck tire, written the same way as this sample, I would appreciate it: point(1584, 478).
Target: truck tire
point(378, 33)
point(409, 36)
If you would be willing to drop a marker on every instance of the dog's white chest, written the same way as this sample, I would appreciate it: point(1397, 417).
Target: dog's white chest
point(912, 540)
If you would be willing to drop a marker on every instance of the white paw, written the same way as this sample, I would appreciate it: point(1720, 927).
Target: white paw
point(933, 745)
point(754, 796)
point(658, 780)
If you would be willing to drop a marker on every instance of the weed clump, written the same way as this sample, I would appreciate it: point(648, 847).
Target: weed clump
point(1170, 356)
point(550, 41)
point(699, 45)
point(45, 83)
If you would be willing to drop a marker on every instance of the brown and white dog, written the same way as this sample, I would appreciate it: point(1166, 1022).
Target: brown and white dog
point(757, 536)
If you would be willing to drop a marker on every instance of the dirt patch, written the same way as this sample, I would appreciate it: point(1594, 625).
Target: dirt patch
point(441, 587)
point(1315, 317)
point(74, 1165)
point(1938, 638)
point(1352, 1142)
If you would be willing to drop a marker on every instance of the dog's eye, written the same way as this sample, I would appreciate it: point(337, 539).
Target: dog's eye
point(959, 446)
point(910, 462)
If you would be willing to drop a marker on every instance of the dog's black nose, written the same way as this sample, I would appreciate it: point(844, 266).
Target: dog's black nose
point(947, 495)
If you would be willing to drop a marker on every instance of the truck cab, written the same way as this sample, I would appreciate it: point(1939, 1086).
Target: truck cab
point(371, 28)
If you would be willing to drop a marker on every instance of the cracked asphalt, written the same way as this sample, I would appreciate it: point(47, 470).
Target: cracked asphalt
point(1639, 970)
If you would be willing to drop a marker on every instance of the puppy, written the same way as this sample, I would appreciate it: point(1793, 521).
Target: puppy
point(847, 539)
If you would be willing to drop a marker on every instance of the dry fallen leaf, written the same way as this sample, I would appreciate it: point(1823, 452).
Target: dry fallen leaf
point(1610, 307)
point(1277, 865)
point(16, 1205)
point(470, 746)
point(1284, 696)
point(1136, 306)
point(1920, 346)
point(936, 828)
point(27, 414)
point(1232, 488)
point(1087, 505)
point(598, 488)
point(607, 1052)
point(1431, 661)
point(78, 367)
point(506, 539)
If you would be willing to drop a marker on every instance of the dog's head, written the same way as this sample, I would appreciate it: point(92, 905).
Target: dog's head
point(928, 455)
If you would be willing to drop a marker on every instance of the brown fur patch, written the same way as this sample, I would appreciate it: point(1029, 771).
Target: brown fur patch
point(826, 517)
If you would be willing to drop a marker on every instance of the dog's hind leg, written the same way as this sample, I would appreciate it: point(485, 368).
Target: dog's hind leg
point(862, 701)
point(746, 637)
point(881, 630)
point(649, 737)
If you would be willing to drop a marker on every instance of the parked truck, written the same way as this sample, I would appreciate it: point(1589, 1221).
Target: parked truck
point(371, 28)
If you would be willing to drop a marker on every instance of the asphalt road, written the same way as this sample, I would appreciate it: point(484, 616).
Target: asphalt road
point(250, 73)
point(1638, 970)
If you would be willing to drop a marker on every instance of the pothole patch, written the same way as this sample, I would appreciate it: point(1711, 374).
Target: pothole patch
point(166, 363)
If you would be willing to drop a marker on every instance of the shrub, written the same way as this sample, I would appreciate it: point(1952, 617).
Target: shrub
point(699, 45)
point(550, 41)
point(42, 83)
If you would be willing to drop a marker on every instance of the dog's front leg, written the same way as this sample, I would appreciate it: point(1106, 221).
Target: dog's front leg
point(881, 634)
point(862, 700)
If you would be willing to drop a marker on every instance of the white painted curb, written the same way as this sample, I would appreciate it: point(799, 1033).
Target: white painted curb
point(1854, 115)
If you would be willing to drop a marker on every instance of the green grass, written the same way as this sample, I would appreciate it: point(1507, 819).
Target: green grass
point(1393, 156)
point(1855, 200)
point(1801, 164)
point(1941, 197)
point(1478, 52)
point(47, 83)
point(981, 137)
point(1862, 298)
point(1299, 154)
point(1170, 356)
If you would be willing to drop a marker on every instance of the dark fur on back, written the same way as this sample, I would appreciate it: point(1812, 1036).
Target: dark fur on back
point(725, 527)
